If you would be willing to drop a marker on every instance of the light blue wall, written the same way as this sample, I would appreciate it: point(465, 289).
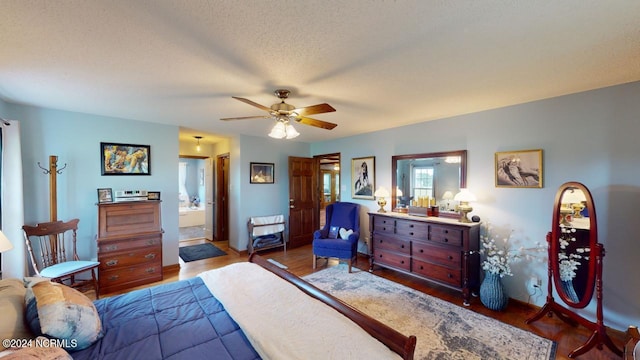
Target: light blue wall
point(590, 137)
point(75, 138)
point(247, 200)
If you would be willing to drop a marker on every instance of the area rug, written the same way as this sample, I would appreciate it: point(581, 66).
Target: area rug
point(199, 252)
point(443, 330)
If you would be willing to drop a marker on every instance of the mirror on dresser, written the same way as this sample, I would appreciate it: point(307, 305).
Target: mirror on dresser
point(575, 264)
point(428, 179)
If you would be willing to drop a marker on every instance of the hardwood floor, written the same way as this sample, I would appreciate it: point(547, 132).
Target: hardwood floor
point(299, 262)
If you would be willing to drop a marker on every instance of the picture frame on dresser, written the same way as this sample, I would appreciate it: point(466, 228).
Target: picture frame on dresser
point(125, 159)
point(519, 169)
point(105, 195)
point(363, 177)
point(153, 195)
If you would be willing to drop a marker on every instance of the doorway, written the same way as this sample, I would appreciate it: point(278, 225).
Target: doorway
point(329, 182)
point(192, 192)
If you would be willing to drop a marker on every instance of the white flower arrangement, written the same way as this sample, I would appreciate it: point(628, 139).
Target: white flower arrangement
point(569, 263)
point(498, 256)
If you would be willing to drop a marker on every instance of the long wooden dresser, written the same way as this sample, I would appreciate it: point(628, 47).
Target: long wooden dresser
point(129, 244)
point(441, 250)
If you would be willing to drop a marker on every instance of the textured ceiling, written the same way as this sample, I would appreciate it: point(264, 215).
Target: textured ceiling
point(381, 64)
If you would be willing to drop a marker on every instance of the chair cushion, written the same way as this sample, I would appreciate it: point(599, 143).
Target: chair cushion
point(60, 312)
point(66, 268)
point(12, 325)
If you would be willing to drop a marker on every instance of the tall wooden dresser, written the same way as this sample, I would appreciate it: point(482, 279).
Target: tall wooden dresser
point(441, 250)
point(129, 244)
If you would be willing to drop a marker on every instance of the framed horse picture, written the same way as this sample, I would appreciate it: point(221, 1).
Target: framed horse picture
point(363, 174)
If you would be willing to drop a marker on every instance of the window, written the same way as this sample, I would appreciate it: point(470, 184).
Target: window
point(422, 178)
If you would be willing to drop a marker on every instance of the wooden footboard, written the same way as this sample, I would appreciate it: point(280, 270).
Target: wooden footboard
point(394, 340)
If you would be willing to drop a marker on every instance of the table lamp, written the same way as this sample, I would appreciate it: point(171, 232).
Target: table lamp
point(448, 196)
point(381, 194)
point(464, 196)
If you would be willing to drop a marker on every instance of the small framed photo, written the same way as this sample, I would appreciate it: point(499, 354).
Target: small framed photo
point(153, 195)
point(519, 169)
point(261, 173)
point(125, 159)
point(105, 195)
point(363, 177)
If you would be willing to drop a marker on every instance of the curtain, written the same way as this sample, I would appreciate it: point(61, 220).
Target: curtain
point(14, 262)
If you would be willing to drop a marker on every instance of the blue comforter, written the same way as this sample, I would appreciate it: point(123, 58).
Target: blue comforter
point(179, 320)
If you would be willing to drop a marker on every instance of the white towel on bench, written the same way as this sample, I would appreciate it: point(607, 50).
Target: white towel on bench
point(266, 225)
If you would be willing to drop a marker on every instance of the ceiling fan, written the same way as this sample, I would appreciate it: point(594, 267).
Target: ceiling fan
point(283, 112)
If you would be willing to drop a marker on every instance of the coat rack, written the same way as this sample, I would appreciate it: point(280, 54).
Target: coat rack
point(53, 172)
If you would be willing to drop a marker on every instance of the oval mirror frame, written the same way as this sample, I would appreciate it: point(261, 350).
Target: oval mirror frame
point(462, 154)
point(559, 215)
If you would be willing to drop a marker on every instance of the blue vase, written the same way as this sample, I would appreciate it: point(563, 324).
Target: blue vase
point(492, 294)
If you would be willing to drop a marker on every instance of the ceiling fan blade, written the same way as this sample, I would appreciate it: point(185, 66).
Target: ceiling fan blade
point(314, 109)
point(316, 123)
point(248, 117)
point(247, 101)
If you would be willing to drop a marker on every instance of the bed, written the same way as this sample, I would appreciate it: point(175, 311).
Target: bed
point(267, 313)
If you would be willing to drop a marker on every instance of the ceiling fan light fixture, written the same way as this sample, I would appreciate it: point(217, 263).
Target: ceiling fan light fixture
point(279, 131)
point(291, 131)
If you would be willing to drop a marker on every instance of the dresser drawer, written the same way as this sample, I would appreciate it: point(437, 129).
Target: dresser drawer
point(445, 235)
point(110, 246)
point(142, 273)
point(392, 259)
point(122, 219)
point(133, 257)
point(392, 244)
point(451, 257)
point(437, 272)
point(383, 225)
point(412, 229)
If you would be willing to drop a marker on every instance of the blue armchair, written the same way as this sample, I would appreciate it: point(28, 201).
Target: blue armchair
point(327, 243)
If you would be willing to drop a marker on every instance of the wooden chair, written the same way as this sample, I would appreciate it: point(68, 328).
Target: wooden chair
point(55, 242)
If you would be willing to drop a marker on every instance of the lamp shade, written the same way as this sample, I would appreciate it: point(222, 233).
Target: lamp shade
point(398, 192)
point(5, 244)
point(573, 197)
point(448, 195)
point(465, 195)
point(381, 192)
point(278, 131)
point(291, 131)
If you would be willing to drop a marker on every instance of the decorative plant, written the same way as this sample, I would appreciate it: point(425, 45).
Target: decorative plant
point(569, 262)
point(498, 254)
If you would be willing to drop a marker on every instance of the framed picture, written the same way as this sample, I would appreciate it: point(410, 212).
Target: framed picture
point(363, 174)
point(125, 159)
point(105, 195)
point(261, 173)
point(153, 195)
point(519, 169)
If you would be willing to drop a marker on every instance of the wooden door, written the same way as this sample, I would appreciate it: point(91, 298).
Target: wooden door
point(222, 197)
point(303, 200)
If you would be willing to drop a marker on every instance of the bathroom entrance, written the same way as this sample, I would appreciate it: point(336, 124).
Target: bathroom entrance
point(194, 186)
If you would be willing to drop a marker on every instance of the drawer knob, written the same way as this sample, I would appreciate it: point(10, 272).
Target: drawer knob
point(450, 276)
point(112, 247)
point(446, 240)
point(411, 233)
point(150, 256)
point(402, 246)
point(446, 231)
point(151, 270)
point(421, 250)
point(112, 262)
point(450, 257)
point(151, 242)
point(114, 277)
point(401, 261)
point(421, 267)
point(411, 226)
